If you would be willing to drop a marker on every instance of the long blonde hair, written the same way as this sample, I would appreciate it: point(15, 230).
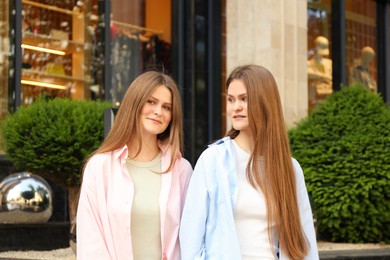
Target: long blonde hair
point(127, 127)
point(274, 174)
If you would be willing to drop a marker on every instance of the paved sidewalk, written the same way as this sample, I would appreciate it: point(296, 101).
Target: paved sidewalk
point(57, 254)
point(327, 251)
point(341, 251)
point(361, 254)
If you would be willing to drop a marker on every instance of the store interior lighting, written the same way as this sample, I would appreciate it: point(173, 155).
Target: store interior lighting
point(41, 49)
point(42, 84)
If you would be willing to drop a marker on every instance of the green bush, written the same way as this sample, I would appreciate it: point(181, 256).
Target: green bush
point(344, 150)
point(52, 138)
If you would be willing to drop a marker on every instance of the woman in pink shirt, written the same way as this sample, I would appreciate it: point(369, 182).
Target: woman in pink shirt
point(134, 184)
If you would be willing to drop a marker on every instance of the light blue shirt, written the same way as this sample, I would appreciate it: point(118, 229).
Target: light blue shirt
point(207, 229)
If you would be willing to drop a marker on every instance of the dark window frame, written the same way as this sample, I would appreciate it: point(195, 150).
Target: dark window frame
point(196, 59)
point(383, 48)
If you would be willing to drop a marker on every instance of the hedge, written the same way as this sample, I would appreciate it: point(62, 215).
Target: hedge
point(344, 150)
point(52, 138)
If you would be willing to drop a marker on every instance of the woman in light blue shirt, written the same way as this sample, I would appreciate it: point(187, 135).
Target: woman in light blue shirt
point(247, 197)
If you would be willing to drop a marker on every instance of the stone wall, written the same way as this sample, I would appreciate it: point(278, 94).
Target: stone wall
point(272, 33)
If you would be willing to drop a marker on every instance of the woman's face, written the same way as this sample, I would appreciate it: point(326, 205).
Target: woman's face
point(156, 114)
point(237, 105)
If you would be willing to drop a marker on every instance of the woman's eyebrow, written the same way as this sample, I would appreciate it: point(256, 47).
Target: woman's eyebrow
point(239, 95)
point(156, 99)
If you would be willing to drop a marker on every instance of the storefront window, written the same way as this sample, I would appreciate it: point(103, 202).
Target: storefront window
point(361, 42)
point(140, 41)
point(4, 56)
point(360, 47)
point(319, 64)
point(56, 50)
point(5, 53)
point(63, 47)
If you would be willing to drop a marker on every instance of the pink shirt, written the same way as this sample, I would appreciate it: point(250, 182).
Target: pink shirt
point(104, 210)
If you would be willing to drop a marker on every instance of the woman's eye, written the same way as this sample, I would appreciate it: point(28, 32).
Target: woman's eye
point(230, 100)
point(150, 102)
point(167, 108)
point(244, 99)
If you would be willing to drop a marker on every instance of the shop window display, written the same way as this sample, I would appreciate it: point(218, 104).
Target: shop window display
point(55, 50)
point(63, 53)
point(4, 55)
point(4, 62)
point(319, 69)
point(135, 49)
point(140, 41)
point(360, 29)
point(361, 42)
point(319, 64)
point(360, 70)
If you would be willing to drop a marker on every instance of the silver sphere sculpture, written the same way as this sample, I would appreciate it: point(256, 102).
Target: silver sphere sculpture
point(25, 198)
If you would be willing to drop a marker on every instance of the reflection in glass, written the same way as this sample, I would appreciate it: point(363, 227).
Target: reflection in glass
point(360, 69)
point(361, 39)
point(4, 54)
point(140, 40)
point(55, 50)
point(319, 65)
point(319, 68)
point(4, 61)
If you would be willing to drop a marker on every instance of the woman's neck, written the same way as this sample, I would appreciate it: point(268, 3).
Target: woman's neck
point(245, 140)
point(149, 150)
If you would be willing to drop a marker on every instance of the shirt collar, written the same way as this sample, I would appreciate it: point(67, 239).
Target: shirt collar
point(123, 152)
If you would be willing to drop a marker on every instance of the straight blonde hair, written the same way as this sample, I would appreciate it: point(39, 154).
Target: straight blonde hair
point(270, 165)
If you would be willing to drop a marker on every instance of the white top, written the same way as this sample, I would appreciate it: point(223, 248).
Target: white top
point(145, 211)
point(250, 214)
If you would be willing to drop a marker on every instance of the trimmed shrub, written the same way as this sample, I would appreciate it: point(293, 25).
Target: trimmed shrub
point(52, 138)
point(344, 150)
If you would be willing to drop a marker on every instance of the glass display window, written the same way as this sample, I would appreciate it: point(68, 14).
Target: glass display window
point(361, 42)
point(319, 63)
point(140, 41)
point(63, 47)
point(359, 51)
point(55, 50)
point(5, 53)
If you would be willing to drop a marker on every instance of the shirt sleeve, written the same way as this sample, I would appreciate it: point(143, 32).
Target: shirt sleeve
point(194, 218)
point(185, 177)
point(90, 235)
point(305, 213)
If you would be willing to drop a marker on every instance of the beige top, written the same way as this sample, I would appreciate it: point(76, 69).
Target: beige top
point(145, 211)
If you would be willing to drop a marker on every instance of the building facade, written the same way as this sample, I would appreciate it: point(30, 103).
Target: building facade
point(93, 49)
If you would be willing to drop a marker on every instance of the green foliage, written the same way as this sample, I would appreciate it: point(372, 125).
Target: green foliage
point(52, 138)
point(344, 150)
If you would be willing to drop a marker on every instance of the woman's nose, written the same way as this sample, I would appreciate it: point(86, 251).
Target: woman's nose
point(157, 110)
point(238, 105)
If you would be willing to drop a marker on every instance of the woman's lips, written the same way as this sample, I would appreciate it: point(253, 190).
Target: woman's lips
point(155, 120)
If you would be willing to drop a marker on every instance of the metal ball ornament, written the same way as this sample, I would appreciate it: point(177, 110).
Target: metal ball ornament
point(25, 198)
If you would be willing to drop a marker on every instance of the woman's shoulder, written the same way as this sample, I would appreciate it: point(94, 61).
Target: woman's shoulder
point(215, 151)
point(183, 169)
point(295, 162)
point(99, 158)
point(217, 147)
point(97, 163)
point(297, 169)
point(183, 163)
